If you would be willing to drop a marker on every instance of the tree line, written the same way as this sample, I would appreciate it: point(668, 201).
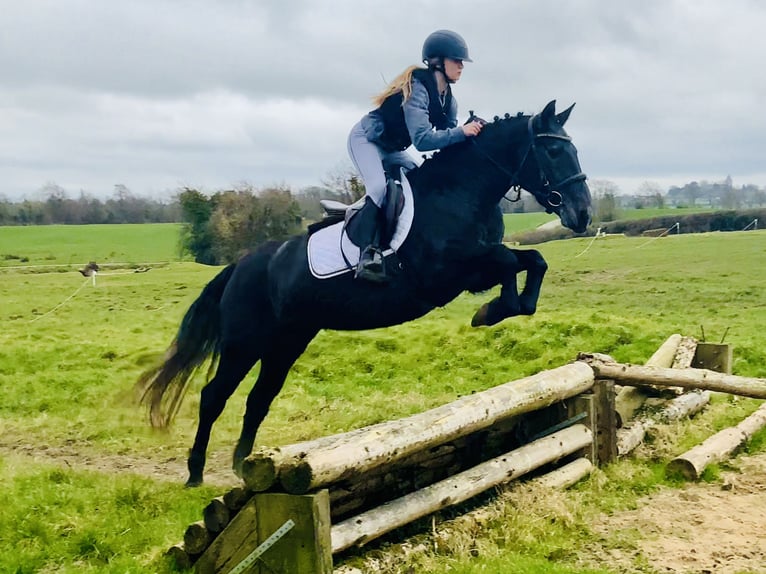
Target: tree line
point(56, 207)
point(221, 226)
point(609, 202)
point(224, 226)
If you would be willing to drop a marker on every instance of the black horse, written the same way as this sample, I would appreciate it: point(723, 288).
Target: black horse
point(268, 306)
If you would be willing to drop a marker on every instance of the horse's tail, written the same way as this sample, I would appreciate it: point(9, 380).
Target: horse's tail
point(162, 388)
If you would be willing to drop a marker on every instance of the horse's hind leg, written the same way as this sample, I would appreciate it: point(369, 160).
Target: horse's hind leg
point(275, 365)
point(235, 362)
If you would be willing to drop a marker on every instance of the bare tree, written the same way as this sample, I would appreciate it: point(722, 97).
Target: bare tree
point(652, 194)
point(344, 181)
point(605, 204)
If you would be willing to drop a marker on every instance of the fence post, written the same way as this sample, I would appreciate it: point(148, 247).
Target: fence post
point(605, 428)
point(601, 417)
point(716, 357)
point(585, 403)
point(305, 547)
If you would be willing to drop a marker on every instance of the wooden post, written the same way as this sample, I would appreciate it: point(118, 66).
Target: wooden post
point(306, 547)
point(714, 357)
point(585, 403)
point(605, 429)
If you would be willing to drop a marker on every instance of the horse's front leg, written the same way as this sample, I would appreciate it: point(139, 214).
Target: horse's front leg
point(502, 265)
point(499, 266)
point(533, 263)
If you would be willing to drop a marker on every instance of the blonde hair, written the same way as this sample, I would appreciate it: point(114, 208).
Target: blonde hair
point(401, 83)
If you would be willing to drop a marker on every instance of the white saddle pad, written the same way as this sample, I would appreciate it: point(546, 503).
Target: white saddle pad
point(324, 247)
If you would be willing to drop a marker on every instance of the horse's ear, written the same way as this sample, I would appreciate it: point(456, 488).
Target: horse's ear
point(549, 111)
point(562, 118)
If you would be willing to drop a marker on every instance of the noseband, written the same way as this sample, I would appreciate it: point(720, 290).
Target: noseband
point(548, 195)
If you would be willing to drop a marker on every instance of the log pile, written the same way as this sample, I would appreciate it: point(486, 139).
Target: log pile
point(362, 528)
point(319, 463)
point(677, 352)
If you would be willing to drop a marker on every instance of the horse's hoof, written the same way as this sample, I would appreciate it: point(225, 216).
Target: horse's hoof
point(480, 317)
point(193, 483)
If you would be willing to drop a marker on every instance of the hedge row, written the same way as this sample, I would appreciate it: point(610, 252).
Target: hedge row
point(730, 220)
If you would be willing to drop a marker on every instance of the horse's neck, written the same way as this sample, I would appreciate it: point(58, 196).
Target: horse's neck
point(478, 165)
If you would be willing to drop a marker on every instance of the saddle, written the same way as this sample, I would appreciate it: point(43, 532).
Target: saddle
point(331, 251)
point(336, 211)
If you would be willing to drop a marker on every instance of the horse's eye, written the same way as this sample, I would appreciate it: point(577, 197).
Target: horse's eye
point(554, 151)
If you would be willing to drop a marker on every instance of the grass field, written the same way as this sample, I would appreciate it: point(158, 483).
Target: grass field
point(74, 245)
point(517, 222)
point(70, 352)
point(46, 245)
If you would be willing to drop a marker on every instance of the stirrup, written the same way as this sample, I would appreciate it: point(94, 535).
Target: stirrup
point(371, 265)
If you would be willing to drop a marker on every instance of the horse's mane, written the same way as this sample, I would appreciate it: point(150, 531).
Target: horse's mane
point(444, 163)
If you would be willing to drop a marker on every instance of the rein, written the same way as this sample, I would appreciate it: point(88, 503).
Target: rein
point(549, 193)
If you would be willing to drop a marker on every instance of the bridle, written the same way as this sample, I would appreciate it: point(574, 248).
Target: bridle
point(548, 194)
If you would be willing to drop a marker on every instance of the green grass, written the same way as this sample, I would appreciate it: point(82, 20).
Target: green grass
point(517, 222)
point(45, 245)
point(70, 352)
point(56, 519)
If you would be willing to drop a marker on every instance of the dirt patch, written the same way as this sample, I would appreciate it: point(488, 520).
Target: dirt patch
point(169, 467)
point(701, 528)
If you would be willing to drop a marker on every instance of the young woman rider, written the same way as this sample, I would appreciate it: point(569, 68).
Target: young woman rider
point(417, 108)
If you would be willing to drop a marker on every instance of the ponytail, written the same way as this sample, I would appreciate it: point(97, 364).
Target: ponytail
point(401, 83)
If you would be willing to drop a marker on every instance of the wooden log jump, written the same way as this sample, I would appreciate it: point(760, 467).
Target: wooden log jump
point(633, 433)
point(358, 452)
point(347, 489)
point(428, 447)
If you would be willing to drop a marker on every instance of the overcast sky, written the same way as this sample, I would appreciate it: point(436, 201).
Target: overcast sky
point(159, 94)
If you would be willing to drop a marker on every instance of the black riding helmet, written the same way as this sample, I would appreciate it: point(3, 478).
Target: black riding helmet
point(445, 44)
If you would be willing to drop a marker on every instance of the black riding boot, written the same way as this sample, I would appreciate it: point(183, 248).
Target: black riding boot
point(371, 264)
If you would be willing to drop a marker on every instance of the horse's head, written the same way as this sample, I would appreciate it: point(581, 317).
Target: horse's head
point(536, 154)
point(551, 171)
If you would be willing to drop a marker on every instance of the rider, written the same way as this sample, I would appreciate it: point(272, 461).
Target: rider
point(417, 108)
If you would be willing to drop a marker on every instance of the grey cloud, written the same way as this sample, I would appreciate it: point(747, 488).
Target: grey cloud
point(151, 94)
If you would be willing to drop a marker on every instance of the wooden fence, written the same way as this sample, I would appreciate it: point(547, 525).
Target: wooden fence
point(301, 504)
